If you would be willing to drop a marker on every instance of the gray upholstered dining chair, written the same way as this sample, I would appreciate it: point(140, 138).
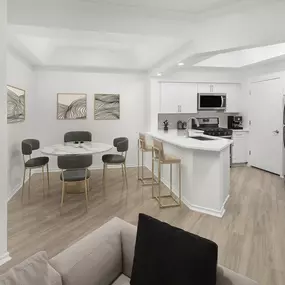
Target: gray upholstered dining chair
point(78, 136)
point(28, 145)
point(74, 168)
point(122, 145)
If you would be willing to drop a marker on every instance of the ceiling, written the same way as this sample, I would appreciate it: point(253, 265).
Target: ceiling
point(139, 35)
point(52, 47)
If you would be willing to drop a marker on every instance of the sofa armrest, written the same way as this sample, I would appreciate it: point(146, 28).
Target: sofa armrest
point(95, 259)
point(128, 236)
point(226, 276)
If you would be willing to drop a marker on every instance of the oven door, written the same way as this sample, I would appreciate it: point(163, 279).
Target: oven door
point(211, 101)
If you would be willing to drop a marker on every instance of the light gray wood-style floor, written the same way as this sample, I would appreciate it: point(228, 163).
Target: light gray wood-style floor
point(251, 235)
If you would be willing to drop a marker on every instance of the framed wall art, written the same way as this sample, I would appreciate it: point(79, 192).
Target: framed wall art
point(106, 106)
point(71, 106)
point(16, 107)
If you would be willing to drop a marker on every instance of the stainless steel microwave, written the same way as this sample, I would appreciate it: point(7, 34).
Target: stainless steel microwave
point(212, 101)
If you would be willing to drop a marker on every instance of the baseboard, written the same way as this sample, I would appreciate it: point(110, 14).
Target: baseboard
point(16, 189)
point(5, 258)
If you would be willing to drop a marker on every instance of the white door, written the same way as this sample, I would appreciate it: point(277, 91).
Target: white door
point(266, 107)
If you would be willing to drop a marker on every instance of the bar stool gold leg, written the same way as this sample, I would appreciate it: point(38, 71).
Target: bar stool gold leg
point(170, 179)
point(180, 183)
point(138, 170)
point(159, 182)
point(152, 174)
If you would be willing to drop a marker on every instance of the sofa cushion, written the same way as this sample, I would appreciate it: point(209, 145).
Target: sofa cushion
point(94, 260)
point(122, 280)
point(32, 271)
point(165, 255)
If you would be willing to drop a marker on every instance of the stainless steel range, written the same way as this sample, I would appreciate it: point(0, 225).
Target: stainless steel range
point(210, 126)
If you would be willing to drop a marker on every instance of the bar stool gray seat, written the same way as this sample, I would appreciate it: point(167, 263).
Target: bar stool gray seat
point(78, 136)
point(74, 168)
point(28, 146)
point(122, 145)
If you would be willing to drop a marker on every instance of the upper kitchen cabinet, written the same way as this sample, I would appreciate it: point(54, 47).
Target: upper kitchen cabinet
point(178, 97)
point(233, 92)
point(211, 88)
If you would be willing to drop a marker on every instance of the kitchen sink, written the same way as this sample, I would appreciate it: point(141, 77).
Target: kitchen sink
point(200, 138)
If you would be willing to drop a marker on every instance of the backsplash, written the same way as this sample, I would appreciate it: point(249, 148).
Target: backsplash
point(173, 118)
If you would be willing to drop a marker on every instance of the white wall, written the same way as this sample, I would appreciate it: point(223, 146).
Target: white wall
point(20, 75)
point(132, 90)
point(4, 255)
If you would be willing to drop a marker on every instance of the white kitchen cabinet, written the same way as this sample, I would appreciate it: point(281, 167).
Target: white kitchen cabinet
point(240, 147)
point(212, 88)
point(233, 92)
point(178, 98)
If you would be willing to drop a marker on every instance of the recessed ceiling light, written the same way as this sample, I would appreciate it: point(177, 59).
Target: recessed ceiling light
point(159, 74)
point(180, 63)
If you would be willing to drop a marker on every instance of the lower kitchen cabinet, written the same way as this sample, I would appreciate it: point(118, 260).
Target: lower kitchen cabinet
point(240, 147)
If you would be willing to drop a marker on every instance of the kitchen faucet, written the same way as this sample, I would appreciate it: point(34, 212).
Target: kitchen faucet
point(189, 125)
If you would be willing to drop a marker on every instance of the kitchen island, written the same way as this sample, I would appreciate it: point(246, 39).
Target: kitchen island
point(205, 169)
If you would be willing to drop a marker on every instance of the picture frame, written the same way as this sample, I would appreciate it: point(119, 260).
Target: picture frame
point(71, 106)
point(16, 105)
point(106, 106)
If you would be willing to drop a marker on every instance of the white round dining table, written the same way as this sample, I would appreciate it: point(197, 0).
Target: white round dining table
point(71, 148)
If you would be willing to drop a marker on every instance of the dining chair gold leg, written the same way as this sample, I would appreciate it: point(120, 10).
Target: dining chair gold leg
point(122, 166)
point(104, 172)
point(126, 176)
point(43, 177)
point(23, 184)
point(62, 195)
point(30, 183)
point(86, 194)
point(48, 178)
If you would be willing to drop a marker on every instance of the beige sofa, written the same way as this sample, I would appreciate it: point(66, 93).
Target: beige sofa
point(105, 257)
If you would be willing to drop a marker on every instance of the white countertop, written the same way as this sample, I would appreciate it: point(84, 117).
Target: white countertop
point(240, 131)
point(178, 138)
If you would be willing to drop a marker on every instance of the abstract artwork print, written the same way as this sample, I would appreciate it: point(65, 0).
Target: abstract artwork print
point(71, 106)
point(15, 105)
point(107, 107)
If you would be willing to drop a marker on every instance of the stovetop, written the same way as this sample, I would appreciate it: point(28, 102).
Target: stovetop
point(218, 132)
point(210, 126)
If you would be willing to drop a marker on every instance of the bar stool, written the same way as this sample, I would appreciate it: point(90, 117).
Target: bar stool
point(143, 148)
point(162, 159)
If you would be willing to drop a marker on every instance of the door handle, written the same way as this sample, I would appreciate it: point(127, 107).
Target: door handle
point(276, 132)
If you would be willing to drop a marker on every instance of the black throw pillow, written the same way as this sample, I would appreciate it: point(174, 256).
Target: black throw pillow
point(165, 255)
